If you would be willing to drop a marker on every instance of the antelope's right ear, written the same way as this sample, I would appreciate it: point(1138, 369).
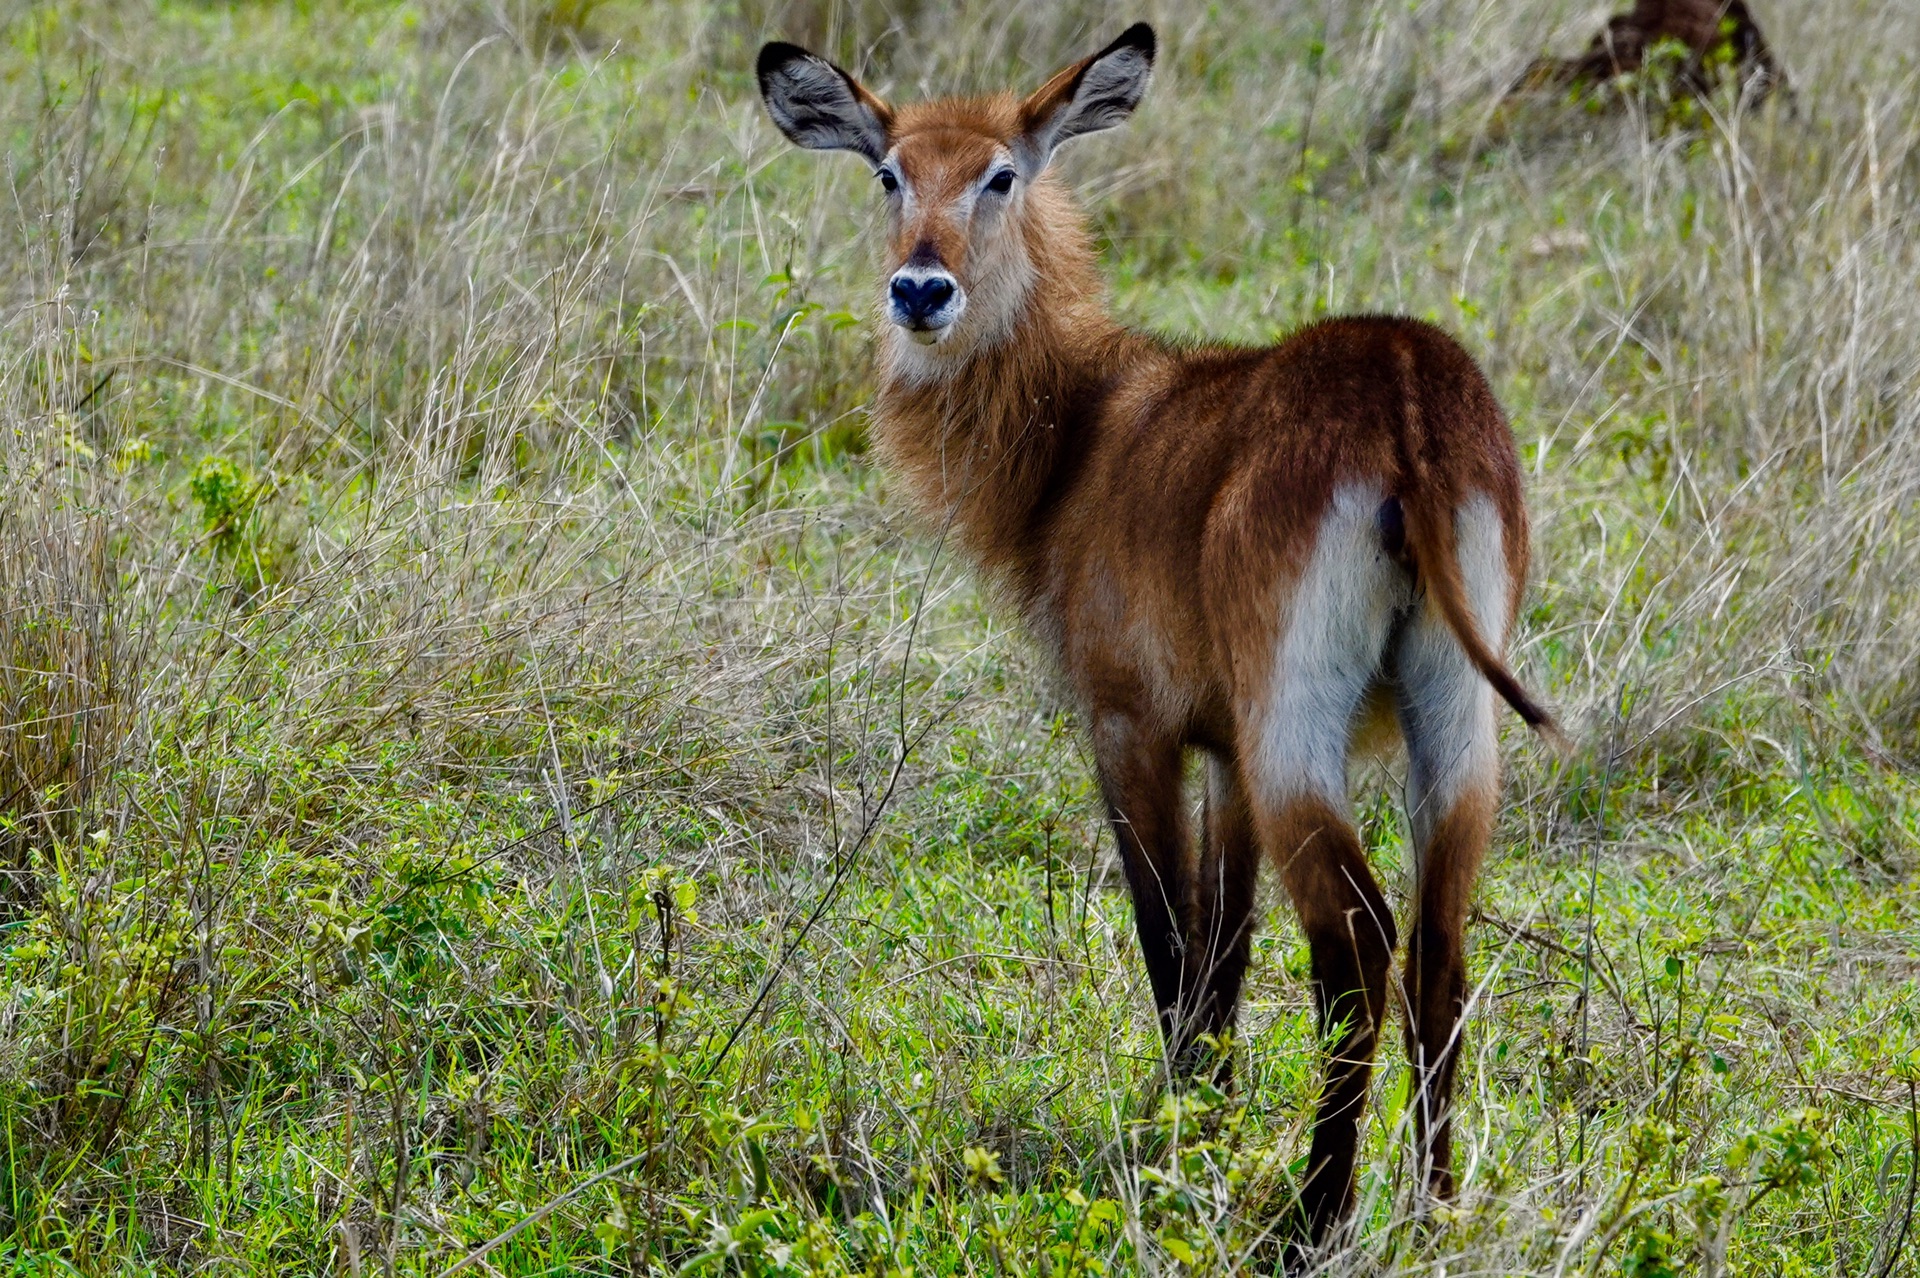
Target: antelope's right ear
point(1088, 96)
point(819, 106)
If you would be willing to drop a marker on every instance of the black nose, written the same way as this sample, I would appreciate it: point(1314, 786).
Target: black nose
point(918, 299)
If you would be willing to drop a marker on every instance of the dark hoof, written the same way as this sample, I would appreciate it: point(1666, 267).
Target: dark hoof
point(1205, 1062)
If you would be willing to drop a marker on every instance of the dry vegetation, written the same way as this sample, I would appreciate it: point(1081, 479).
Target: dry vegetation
point(485, 762)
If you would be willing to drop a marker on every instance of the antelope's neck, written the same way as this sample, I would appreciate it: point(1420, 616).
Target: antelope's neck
point(989, 447)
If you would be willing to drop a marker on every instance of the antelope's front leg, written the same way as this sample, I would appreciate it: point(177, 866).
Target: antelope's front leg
point(1223, 918)
point(1140, 775)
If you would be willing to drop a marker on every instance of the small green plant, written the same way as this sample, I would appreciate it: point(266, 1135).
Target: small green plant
point(226, 496)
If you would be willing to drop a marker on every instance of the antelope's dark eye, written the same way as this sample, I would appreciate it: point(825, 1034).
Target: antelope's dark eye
point(888, 182)
point(1002, 182)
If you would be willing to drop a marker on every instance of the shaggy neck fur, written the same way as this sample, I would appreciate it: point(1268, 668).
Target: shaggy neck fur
point(987, 436)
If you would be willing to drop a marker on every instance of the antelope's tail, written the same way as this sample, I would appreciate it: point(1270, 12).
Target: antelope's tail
point(1428, 511)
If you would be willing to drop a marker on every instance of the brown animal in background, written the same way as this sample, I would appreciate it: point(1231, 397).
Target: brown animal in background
point(1707, 29)
point(1253, 553)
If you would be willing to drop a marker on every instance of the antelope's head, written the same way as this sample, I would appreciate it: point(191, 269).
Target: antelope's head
point(961, 177)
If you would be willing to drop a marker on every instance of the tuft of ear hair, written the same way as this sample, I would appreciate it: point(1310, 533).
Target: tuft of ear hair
point(1094, 94)
point(820, 107)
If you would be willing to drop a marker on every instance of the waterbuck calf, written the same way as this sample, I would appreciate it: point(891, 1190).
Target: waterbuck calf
point(1266, 555)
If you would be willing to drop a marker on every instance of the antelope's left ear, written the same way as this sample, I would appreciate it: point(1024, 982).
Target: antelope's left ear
point(1086, 97)
point(819, 106)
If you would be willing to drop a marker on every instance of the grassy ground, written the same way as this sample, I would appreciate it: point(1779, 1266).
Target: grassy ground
point(485, 759)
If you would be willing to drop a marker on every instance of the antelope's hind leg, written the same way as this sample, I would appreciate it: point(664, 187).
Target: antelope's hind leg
point(1350, 938)
point(1453, 776)
point(1295, 740)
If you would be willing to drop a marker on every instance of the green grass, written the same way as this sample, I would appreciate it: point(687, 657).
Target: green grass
point(486, 759)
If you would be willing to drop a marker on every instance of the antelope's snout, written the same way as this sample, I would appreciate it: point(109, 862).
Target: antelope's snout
point(925, 300)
